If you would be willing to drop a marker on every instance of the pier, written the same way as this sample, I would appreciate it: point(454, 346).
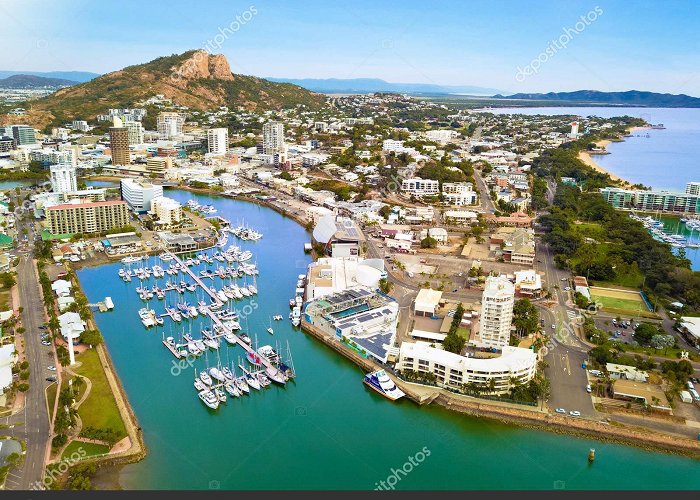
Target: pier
point(215, 320)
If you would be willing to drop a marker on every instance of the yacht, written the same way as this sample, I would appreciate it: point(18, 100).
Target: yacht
point(221, 395)
point(217, 374)
point(204, 377)
point(209, 398)
point(276, 375)
point(199, 385)
point(230, 338)
point(146, 317)
point(262, 379)
point(232, 389)
point(253, 359)
point(380, 382)
point(242, 385)
point(244, 337)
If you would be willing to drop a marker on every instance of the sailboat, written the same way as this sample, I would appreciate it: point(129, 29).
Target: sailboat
point(269, 328)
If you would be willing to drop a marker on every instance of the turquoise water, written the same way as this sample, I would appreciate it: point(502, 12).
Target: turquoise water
point(12, 184)
point(327, 430)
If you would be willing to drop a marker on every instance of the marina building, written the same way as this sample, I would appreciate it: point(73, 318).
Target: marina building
point(177, 243)
point(497, 312)
point(514, 366)
point(340, 236)
point(654, 200)
point(361, 318)
point(329, 275)
point(139, 194)
point(86, 218)
point(63, 178)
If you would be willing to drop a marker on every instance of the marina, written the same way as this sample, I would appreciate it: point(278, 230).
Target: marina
point(326, 411)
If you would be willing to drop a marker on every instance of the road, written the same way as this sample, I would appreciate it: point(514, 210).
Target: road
point(31, 424)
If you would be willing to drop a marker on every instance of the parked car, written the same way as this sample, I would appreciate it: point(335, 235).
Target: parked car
point(560, 410)
point(45, 342)
point(588, 388)
point(52, 378)
point(575, 413)
point(554, 327)
point(51, 368)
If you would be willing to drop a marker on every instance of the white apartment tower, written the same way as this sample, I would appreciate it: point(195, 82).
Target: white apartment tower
point(135, 132)
point(63, 178)
point(273, 137)
point(497, 312)
point(217, 141)
point(170, 124)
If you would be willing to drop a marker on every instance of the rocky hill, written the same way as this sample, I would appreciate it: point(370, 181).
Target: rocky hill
point(196, 79)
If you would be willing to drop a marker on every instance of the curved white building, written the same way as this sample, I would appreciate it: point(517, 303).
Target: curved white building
point(515, 363)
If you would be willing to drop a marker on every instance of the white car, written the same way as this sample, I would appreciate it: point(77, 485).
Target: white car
point(575, 413)
point(588, 388)
point(567, 288)
point(554, 327)
point(560, 410)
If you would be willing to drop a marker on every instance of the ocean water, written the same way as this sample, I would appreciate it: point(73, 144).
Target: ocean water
point(656, 158)
point(326, 430)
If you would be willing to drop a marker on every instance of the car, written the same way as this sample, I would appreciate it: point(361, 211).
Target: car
point(575, 413)
point(42, 327)
point(588, 388)
point(51, 368)
point(455, 290)
point(52, 378)
point(541, 322)
point(564, 279)
point(567, 288)
point(45, 342)
point(538, 260)
point(560, 410)
point(459, 275)
point(554, 327)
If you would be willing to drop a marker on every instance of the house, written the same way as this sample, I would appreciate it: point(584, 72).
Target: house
point(61, 288)
point(71, 324)
point(625, 372)
point(437, 233)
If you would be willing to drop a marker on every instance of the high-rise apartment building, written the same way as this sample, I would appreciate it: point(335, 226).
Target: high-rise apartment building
point(139, 194)
point(135, 130)
point(63, 178)
point(217, 141)
point(497, 312)
point(170, 124)
point(273, 138)
point(119, 143)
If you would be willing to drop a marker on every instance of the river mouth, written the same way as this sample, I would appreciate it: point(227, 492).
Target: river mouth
point(326, 430)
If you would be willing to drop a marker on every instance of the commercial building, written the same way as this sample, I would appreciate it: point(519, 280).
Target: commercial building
point(217, 141)
point(420, 187)
point(497, 312)
point(85, 218)
point(139, 194)
point(516, 245)
point(654, 200)
point(8, 357)
point(459, 217)
point(340, 236)
point(439, 234)
point(361, 318)
point(273, 137)
point(169, 124)
point(119, 143)
point(329, 275)
point(454, 370)
point(23, 135)
point(63, 178)
point(177, 242)
point(157, 165)
point(528, 283)
point(7, 144)
point(167, 211)
point(427, 302)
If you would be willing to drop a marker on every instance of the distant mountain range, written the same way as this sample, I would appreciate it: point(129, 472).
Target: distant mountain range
point(369, 85)
point(593, 97)
point(73, 76)
point(33, 82)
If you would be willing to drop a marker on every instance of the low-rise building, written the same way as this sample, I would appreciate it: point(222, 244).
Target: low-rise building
point(528, 283)
point(514, 365)
point(420, 187)
point(427, 302)
point(459, 217)
point(167, 211)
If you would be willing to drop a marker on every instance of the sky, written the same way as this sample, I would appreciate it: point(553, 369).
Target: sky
point(510, 45)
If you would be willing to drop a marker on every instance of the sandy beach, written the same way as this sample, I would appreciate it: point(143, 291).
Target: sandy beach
point(588, 158)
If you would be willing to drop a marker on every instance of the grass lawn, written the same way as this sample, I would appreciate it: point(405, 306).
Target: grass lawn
point(632, 306)
point(464, 333)
point(99, 410)
point(90, 449)
point(628, 280)
point(51, 392)
point(4, 299)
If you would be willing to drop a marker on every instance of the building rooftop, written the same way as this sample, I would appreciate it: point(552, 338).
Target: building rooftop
point(80, 204)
